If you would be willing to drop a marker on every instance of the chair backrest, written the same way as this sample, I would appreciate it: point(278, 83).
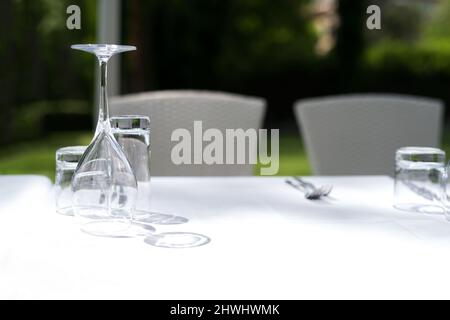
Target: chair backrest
point(170, 110)
point(359, 134)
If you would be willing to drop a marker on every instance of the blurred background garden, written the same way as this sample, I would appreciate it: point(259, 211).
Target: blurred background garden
point(280, 50)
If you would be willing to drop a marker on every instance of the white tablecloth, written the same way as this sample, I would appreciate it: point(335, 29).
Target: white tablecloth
point(268, 242)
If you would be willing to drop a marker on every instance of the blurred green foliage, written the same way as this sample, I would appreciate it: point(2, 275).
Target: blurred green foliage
point(415, 38)
point(439, 27)
point(214, 44)
point(38, 68)
point(411, 54)
point(38, 156)
point(38, 44)
point(34, 119)
point(256, 47)
point(430, 57)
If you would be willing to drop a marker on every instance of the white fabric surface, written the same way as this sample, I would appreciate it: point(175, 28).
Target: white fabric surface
point(268, 242)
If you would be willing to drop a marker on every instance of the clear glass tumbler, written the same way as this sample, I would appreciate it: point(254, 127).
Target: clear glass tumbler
point(132, 132)
point(66, 162)
point(419, 174)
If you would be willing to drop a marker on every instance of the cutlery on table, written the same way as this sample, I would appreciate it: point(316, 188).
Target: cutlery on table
point(310, 190)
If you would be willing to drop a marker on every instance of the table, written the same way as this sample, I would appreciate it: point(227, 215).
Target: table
point(268, 242)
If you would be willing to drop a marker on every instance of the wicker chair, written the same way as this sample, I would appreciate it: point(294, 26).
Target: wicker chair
point(358, 134)
point(170, 110)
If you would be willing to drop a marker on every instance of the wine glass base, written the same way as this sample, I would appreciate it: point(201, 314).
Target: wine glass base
point(177, 240)
point(104, 51)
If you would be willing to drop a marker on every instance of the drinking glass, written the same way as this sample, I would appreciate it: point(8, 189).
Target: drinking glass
point(133, 135)
point(419, 174)
point(104, 185)
point(67, 159)
point(132, 132)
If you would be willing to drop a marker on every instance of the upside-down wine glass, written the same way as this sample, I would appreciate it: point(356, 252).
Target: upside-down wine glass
point(104, 185)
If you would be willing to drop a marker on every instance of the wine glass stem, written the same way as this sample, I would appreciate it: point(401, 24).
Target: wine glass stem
point(103, 115)
point(103, 112)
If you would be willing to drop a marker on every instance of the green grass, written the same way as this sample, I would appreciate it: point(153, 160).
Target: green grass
point(293, 158)
point(38, 157)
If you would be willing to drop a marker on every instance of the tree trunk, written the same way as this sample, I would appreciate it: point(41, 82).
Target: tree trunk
point(8, 76)
point(350, 37)
point(140, 35)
